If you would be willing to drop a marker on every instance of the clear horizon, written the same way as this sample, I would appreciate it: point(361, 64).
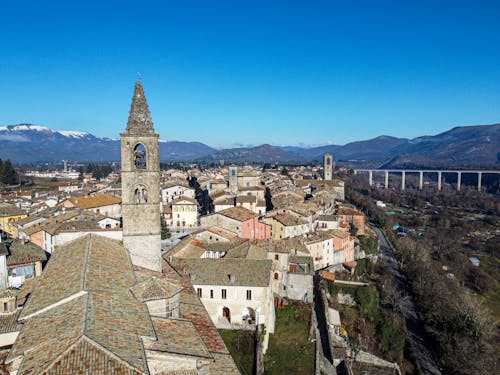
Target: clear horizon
point(228, 74)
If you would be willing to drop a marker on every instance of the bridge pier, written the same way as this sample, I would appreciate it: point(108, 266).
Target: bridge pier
point(421, 176)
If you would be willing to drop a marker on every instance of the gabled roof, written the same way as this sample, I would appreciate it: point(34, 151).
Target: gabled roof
point(238, 213)
point(84, 291)
point(155, 288)
point(184, 200)
point(93, 201)
point(7, 209)
point(288, 219)
point(244, 272)
point(177, 336)
point(21, 253)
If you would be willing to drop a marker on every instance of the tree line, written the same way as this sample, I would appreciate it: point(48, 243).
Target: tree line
point(98, 171)
point(450, 301)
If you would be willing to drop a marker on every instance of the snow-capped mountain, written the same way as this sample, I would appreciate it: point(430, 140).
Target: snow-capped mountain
point(27, 143)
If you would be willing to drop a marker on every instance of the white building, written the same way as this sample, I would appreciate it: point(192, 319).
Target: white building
point(171, 192)
point(184, 213)
point(236, 292)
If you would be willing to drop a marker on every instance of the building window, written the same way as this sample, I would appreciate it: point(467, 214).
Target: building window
point(276, 276)
point(224, 294)
point(200, 293)
point(211, 293)
point(5, 307)
point(276, 257)
point(249, 294)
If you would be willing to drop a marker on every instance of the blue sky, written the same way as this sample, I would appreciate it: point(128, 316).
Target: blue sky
point(249, 72)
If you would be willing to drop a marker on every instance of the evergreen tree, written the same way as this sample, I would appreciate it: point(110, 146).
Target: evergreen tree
point(165, 232)
point(8, 174)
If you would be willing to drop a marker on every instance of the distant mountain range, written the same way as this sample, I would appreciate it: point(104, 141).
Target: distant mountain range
point(26, 144)
point(466, 146)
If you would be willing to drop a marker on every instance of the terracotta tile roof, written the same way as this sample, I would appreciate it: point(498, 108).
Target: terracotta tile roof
point(93, 201)
point(177, 336)
point(7, 209)
point(246, 199)
point(244, 272)
point(21, 253)
point(238, 213)
point(327, 218)
point(106, 311)
point(155, 288)
point(8, 322)
point(47, 335)
point(222, 232)
point(191, 308)
point(288, 219)
point(87, 354)
point(66, 264)
point(181, 200)
point(83, 319)
point(338, 233)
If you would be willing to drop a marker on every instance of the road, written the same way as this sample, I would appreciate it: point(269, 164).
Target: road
point(414, 326)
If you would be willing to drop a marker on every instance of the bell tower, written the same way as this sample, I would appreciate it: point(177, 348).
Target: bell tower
point(141, 185)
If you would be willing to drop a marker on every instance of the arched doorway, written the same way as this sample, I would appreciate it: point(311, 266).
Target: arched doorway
point(248, 315)
point(226, 313)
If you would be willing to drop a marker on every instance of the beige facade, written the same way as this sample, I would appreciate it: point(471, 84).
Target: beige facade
point(286, 226)
point(184, 213)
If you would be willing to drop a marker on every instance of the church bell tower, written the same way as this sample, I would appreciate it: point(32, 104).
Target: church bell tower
point(141, 185)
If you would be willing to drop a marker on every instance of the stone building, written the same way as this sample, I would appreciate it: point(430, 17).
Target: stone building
point(141, 185)
point(327, 167)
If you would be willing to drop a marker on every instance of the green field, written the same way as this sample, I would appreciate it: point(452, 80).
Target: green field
point(241, 346)
point(289, 350)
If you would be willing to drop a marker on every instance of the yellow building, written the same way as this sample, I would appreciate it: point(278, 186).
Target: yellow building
point(9, 215)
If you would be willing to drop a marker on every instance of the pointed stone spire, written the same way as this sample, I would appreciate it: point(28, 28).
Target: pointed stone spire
point(139, 118)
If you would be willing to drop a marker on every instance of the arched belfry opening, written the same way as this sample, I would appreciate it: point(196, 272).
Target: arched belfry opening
point(140, 156)
point(140, 195)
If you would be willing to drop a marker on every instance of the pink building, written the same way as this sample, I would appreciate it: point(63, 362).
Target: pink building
point(343, 241)
point(239, 220)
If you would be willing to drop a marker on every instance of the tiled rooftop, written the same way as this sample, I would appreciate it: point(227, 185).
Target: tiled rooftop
point(92, 201)
point(177, 336)
point(21, 253)
point(238, 213)
point(289, 219)
point(244, 272)
point(101, 326)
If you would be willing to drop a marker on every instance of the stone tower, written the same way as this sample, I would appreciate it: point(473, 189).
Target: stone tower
point(141, 185)
point(233, 176)
point(327, 167)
